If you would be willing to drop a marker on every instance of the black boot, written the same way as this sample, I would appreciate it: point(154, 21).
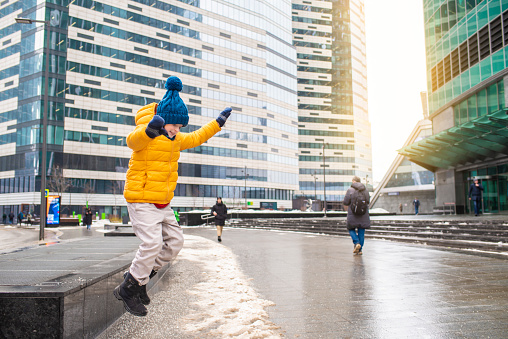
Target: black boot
point(143, 295)
point(219, 239)
point(128, 292)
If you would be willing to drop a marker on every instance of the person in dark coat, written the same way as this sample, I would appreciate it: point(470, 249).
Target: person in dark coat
point(11, 218)
point(21, 216)
point(416, 204)
point(475, 194)
point(220, 211)
point(88, 218)
point(357, 224)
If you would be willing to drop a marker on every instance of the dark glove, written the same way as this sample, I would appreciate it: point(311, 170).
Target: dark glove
point(155, 127)
point(223, 116)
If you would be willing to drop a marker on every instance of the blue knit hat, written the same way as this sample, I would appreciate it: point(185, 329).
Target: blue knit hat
point(172, 108)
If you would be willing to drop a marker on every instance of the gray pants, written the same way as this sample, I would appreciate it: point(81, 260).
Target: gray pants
point(161, 238)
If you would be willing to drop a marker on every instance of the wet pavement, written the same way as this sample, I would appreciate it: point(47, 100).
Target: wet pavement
point(321, 290)
point(317, 288)
point(15, 237)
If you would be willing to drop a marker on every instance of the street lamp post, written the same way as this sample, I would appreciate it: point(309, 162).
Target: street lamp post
point(324, 175)
point(42, 215)
point(245, 187)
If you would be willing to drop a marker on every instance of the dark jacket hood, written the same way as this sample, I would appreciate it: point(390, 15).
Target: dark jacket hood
point(359, 186)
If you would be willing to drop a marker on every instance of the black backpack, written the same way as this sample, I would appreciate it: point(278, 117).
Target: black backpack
point(359, 203)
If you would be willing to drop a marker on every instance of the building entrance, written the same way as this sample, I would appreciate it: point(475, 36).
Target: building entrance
point(495, 189)
point(503, 191)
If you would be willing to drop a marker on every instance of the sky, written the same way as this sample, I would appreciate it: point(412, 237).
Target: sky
point(396, 74)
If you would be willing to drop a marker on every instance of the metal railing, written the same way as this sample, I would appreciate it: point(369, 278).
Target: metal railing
point(206, 217)
point(449, 207)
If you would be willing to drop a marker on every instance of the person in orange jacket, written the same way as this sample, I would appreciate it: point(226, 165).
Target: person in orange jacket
point(152, 176)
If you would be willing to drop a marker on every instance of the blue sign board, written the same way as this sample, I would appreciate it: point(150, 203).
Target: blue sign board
point(268, 205)
point(53, 210)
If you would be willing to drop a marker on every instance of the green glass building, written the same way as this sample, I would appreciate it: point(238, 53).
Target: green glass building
point(467, 68)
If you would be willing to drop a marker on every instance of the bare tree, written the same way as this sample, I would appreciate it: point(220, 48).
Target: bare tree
point(117, 188)
point(89, 190)
point(194, 193)
point(234, 198)
point(57, 182)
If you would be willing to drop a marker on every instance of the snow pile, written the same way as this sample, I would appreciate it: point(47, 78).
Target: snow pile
point(225, 306)
point(378, 210)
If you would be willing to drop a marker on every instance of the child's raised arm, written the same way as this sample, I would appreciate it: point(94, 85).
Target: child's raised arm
point(198, 137)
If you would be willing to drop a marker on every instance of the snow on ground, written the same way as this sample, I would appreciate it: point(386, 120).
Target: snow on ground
point(226, 305)
point(205, 295)
point(378, 210)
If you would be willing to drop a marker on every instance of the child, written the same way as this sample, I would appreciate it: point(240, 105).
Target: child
point(151, 180)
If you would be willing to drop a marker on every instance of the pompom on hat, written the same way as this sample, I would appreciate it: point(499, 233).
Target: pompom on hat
point(172, 108)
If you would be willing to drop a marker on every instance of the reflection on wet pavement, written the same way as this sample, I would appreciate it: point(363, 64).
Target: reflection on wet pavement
point(394, 290)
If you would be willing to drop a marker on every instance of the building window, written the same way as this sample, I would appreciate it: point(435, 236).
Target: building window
point(478, 47)
point(484, 102)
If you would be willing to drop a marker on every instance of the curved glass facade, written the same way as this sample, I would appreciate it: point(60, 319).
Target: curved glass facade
point(332, 97)
point(108, 59)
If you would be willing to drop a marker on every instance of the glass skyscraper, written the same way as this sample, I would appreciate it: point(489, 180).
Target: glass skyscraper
point(329, 37)
point(467, 61)
point(109, 58)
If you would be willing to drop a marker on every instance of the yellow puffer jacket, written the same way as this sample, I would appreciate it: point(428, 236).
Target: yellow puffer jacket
point(153, 168)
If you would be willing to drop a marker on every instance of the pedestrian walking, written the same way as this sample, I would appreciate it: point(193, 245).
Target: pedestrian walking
point(357, 201)
point(4, 218)
point(152, 176)
point(401, 208)
point(416, 204)
point(475, 194)
point(220, 211)
point(21, 216)
point(11, 217)
point(29, 218)
point(88, 218)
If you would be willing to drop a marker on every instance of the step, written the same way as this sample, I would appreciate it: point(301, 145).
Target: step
point(374, 222)
point(465, 235)
point(445, 230)
point(65, 290)
point(483, 235)
point(461, 244)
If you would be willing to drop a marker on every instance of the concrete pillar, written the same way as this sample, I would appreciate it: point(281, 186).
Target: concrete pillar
point(443, 121)
point(460, 192)
point(445, 187)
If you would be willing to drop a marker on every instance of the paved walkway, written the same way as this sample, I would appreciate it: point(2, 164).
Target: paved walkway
point(312, 286)
point(445, 217)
